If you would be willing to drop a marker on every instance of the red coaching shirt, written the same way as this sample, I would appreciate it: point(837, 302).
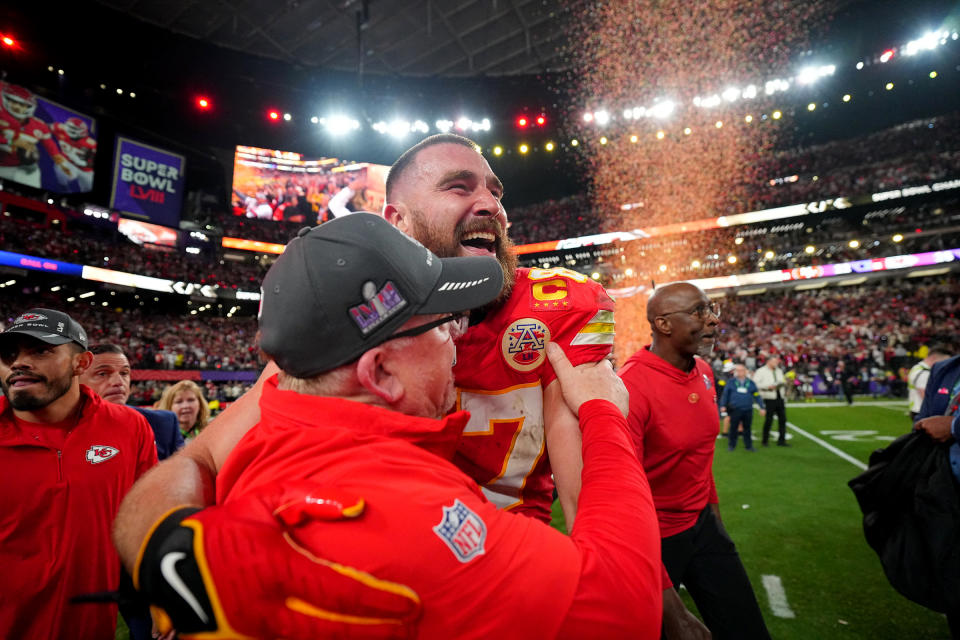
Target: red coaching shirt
point(501, 373)
point(60, 488)
point(426, 528)
point(674, 422)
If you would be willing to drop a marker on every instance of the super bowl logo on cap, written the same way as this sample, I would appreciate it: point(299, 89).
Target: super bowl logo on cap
point(100, 453)
point(30, 317)
point(463, 531)
point(524, 344)
point(379, 306)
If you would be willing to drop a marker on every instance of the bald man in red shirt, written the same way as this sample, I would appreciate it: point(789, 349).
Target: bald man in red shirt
point(674, 422)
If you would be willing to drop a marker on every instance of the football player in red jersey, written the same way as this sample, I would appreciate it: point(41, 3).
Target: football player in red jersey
point(20, 133)
point(79, 148)
point(443, 192)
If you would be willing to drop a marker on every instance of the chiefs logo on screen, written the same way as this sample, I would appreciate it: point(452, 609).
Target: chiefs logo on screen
point(100, 453)
point(524, 344)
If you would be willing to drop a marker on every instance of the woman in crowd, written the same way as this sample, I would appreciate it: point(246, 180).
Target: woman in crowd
point(186, 400)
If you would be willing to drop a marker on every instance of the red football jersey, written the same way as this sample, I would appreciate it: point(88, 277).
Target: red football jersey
point(31, 131)
point(502, 370)
point(79, 151)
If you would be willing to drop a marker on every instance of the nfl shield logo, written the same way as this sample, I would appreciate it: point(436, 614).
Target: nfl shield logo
point(463, 531)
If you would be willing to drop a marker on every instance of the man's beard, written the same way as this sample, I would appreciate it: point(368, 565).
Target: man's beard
point(446, 246)
point(32, 400)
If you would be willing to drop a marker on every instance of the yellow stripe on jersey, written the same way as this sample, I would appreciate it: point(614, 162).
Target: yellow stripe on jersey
point(600, 330)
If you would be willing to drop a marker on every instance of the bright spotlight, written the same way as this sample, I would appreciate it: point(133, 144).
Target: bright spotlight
point(660, 135)
point(859, 66)
point(889, 86)
point(602, 117)
point(444, 125)
point(662, 109)
point(886, 56)
point(731, 94)
point(777, 115)
point(719, 124)
point(498, 150)
point(732, 259)
point(524, 148)
point(549, 146)
point(812, 106)
point(574, 142)
point(897, 238)
point(768, 255)
point(687, 131)
point(634, 138)
point(695, 264)
point(738, 241)
point(809, 249)
point(603, 140)
point(748, 119)
point(933, 74)
point(846, 97)
point(588, 117)
point(854, 244)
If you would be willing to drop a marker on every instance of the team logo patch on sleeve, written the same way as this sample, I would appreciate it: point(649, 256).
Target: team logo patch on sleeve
point(100, 453)
point(463, 531)
point(524, 344)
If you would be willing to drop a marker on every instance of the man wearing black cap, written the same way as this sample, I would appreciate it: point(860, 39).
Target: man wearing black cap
point(340, 515)
point(66, 460)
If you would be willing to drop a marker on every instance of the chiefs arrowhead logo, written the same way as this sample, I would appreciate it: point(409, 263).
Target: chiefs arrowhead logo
point(99, 453)
point(29, 317)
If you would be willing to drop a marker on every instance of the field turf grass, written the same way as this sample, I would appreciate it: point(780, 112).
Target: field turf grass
point(792, 515)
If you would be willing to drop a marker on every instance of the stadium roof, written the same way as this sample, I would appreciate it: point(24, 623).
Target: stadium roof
point(397, 37)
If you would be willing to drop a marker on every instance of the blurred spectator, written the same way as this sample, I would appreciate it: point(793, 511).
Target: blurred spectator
point(187, 401)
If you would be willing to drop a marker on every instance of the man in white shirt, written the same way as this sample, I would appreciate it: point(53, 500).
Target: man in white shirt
point(771, 383)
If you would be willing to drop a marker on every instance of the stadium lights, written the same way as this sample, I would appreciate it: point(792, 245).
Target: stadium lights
point(695, 264)
point(719, 124)
point(886, 56)
point(287, 117)
point(9, 42)
point(574, 142)
point(748, 119)
point(809, 249)
point(889, 86)
point(660, 135)
point(809, 75)
point(859, 65)
point(523, 148)
point(768, 255)
point(897, 237)
point(601, 117)
point(549, 146)
point(933, 74)
point(444, 125)
point(777, 115)
point(338, 125)
point(588, 117)
point(203, 103)
point(603, 139)
point(812, 106)
point(634, 138)
point(663, 268)
point(854, 244)
point(846, 97)
point(731, 94)
point(662, 108)
point(315, 120)
point(732, 259)
point(273, 115)
point(927, 42)
point(498, 150)
point(541, 120)
point(595, 275)
point(738, 240)
point(687, 131)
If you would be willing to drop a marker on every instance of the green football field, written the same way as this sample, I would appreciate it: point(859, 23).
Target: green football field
point(798, 527)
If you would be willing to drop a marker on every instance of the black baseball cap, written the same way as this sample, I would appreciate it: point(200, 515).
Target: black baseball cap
point(346, 286)
point(47, 325)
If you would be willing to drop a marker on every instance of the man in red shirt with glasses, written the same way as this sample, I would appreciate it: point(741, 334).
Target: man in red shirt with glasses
point(674, 422)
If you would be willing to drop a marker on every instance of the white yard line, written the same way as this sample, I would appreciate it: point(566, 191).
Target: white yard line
point(826, 445)
point(777, 597)
point(817, 405)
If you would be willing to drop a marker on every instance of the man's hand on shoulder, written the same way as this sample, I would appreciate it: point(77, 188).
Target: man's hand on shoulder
point(592, 381)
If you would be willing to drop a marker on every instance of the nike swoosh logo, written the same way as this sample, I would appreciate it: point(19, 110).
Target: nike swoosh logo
point(169, 572)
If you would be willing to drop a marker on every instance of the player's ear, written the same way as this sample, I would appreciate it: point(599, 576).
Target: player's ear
point(662, 325)
point(396, 215)
point(376, 375)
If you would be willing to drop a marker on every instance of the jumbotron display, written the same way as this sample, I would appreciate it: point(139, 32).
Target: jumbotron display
point(284, 185)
